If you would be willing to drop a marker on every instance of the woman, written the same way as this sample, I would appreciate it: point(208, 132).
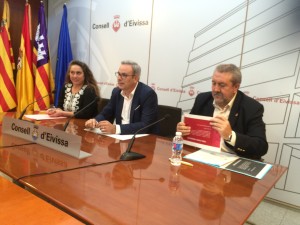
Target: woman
point(79, 90)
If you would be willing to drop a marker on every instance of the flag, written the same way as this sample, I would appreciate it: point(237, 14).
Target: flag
point(8, 97)
point(64, 54)
point(24, 83)
point(44, 83)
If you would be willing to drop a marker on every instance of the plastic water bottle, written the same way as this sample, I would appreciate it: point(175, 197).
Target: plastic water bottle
point(177, 145)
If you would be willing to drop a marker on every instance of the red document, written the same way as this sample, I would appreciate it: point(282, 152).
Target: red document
point(202, 134)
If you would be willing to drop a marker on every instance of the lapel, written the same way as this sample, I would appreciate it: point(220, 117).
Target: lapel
point(119, 108)
point(234, 112)
point(135, 105)
point(209, 110)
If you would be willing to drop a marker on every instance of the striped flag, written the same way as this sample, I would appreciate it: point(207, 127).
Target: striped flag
point(64, 54)
point(24, 83)
point(44, 83)
point(8, 97)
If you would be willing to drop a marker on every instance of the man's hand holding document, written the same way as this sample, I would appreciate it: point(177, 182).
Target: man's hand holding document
point(208, 139)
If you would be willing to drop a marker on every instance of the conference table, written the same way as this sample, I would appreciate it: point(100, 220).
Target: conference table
point(101, 189)
point(18, 206)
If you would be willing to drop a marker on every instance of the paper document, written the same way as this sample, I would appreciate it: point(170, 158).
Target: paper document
point(43, 117)
point(202, 134)
point(231, 162)
point(116, 136)
point(213, 158)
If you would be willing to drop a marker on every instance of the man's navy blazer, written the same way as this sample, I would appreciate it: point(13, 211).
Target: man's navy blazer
point(245, 119)
point(144, 110)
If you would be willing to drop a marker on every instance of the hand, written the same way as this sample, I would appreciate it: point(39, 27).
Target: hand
point(185, 130)
point(106, 127)
point(51, 111)
point(222, 125)
point(55, 112)
point(91, 123)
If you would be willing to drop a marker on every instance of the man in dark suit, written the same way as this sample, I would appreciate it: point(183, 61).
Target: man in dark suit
point(237, 117)
point(133, 104)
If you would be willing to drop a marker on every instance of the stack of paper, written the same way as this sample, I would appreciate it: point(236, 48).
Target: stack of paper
point(213, 158)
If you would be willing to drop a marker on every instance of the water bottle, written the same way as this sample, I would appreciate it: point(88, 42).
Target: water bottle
point(177, 145)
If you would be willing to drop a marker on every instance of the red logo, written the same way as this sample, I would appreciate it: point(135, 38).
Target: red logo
point(153, 86)
point(116, 24)
point(191, 91)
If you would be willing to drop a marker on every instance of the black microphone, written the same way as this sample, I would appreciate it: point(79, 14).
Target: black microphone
point(81, 110)
point(128, 155)
point(24, 110)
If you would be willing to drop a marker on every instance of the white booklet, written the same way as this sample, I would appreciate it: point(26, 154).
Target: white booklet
point(213, 158)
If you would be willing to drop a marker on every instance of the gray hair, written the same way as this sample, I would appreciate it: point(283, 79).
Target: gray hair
point(135, 67)
point(233, 69)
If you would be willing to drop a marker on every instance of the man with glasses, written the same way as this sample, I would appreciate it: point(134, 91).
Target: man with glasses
point(133, 104)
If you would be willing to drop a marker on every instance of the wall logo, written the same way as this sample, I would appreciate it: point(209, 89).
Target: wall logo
point(191, 91)
point(153, 86)
point(116, 24)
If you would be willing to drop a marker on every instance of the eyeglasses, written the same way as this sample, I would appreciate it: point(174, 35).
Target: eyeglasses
point(123, 75)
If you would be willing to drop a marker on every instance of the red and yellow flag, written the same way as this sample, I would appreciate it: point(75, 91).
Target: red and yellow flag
point(8, 98)
point(24, 83)
point(44, 82)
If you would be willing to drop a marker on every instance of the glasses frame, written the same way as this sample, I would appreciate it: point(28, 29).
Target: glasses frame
point(122, 75)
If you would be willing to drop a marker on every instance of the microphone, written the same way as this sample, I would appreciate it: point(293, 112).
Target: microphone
point(81, 110)
point(24, 110)
point(128, 155)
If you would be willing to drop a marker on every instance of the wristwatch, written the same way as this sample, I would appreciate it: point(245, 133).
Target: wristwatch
point(229, 138)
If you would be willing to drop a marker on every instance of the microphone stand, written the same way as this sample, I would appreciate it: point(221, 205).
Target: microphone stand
point(128, 154)
point(24, 110)
point(84, 108)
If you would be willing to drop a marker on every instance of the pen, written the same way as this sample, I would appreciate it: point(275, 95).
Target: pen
point(137, 107)
point(184, 163)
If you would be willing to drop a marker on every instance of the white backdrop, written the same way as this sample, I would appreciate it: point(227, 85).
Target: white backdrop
point(178, 44)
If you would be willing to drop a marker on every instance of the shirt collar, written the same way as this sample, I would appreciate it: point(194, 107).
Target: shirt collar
point(131, 93)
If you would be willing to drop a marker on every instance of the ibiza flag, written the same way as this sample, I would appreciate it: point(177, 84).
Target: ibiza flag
point(24, 83)
point(44, 83)
point(64, 54)
point(8, 97)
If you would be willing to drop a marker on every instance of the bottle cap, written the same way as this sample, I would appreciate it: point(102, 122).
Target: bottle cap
point(178, 133)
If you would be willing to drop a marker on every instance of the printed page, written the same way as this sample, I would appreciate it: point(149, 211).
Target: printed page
point(202, 134)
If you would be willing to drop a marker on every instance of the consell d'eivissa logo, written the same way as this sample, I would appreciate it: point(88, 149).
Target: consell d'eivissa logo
point(116, 24)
